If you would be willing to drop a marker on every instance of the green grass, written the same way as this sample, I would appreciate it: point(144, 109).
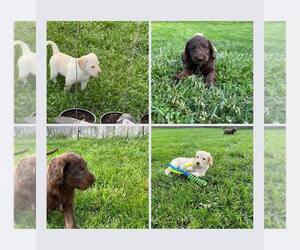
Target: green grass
point(275, 196)
point(24, 94)
point(122, 49)
point(275, 76)
point(227, 201)
point(24, 219)
point(230, 101)
point(119, 198)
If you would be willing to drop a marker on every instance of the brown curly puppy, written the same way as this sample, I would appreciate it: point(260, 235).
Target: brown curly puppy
point(65, 173)
point(198, 58)
point(24, 185)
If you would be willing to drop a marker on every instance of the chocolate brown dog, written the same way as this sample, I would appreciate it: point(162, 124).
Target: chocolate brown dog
point(66, 173)
point(229, 131)
point(198, 58)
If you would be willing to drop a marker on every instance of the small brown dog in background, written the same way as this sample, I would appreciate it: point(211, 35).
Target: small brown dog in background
point(229, 131)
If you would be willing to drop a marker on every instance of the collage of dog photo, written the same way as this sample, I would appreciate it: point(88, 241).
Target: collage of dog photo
point(110, 96)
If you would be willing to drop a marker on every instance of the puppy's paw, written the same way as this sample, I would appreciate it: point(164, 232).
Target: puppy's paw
point(189, 169)
point(198, 174)
point(167, 171)
point(176, 78)
point(67, 89)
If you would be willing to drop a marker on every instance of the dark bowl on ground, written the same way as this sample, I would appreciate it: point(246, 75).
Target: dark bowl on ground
point(145, 119)
point(79, 114)
point(110, 117)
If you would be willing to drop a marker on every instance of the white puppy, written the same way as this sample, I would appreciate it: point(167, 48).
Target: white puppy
point(26, 63)
point(73, 69)
point(198, 166)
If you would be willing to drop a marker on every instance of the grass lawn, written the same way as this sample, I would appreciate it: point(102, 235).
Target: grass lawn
point(227, 201)
point(122, 49)
point(24, 219)
point(119, 199)
point(24, 94)
point(275, 196)
point(275, 78)
point(230, 101)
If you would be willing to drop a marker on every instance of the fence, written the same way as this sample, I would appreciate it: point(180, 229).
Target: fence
point(97, 131)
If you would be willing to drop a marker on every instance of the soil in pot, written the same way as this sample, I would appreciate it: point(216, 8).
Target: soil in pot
point(79, 114)
point(145, 119)
point(111, 118)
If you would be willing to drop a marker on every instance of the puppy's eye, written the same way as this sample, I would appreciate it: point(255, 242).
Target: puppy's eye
point(197, 156)
point(204, 158)
point(93, 67)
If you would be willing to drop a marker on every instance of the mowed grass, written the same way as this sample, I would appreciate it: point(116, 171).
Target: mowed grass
point(24, 94)
point(275, 72)
point(189, 101)
point(24, 219)
point(275, 174)
point(227, 200)
point(122, 49)
point(119, 198)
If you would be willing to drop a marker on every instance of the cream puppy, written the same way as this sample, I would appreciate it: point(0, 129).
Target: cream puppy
point(198, 166)
point(26, 63)
point(73, 69)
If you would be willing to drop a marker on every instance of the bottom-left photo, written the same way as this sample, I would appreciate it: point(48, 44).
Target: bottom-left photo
point(24, 177)
point(97, 177)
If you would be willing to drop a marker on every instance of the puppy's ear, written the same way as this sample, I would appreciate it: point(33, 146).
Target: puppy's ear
point(212, 50)
point(185, 55)
point(56, 171)
point(210, 160)
point(82, 62)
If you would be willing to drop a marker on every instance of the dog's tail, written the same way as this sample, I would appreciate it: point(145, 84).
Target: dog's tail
point(24, 47)
point(54, 47)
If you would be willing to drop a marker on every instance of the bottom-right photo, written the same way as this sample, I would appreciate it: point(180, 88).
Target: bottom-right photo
point(202, 177)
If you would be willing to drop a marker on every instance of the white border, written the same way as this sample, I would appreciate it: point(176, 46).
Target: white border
point(141, 11)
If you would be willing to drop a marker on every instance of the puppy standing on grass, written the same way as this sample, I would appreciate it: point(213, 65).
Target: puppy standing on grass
point(229, 131)
point(198, 166)
point(73, 69)
point(27, 62)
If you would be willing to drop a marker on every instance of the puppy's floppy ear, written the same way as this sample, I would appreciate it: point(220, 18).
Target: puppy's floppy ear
point(56, 171)
point(212, 50)
point(185, 55)
point(210, 160)
point(82, 62)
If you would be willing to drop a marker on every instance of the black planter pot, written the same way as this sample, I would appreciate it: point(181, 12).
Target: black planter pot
point(76, 115)
point(145, 119)
point(110, 117)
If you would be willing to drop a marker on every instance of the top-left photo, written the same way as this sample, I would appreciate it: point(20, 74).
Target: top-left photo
point(25, 64)
point(97, 72)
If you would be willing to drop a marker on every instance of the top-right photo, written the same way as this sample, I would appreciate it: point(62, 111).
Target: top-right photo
point(202, 72)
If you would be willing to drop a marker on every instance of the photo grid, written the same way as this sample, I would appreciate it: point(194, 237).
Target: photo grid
point(149, 125)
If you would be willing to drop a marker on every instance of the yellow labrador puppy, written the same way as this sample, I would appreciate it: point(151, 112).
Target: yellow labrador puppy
point(26, 62)
point(198, 166)
point(73, 69)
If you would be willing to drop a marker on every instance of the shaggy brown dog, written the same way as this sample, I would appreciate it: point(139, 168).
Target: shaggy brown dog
point(229, 131)
point(24, 185)
point(25, 182)
point(65, 173)
point(198, 58)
